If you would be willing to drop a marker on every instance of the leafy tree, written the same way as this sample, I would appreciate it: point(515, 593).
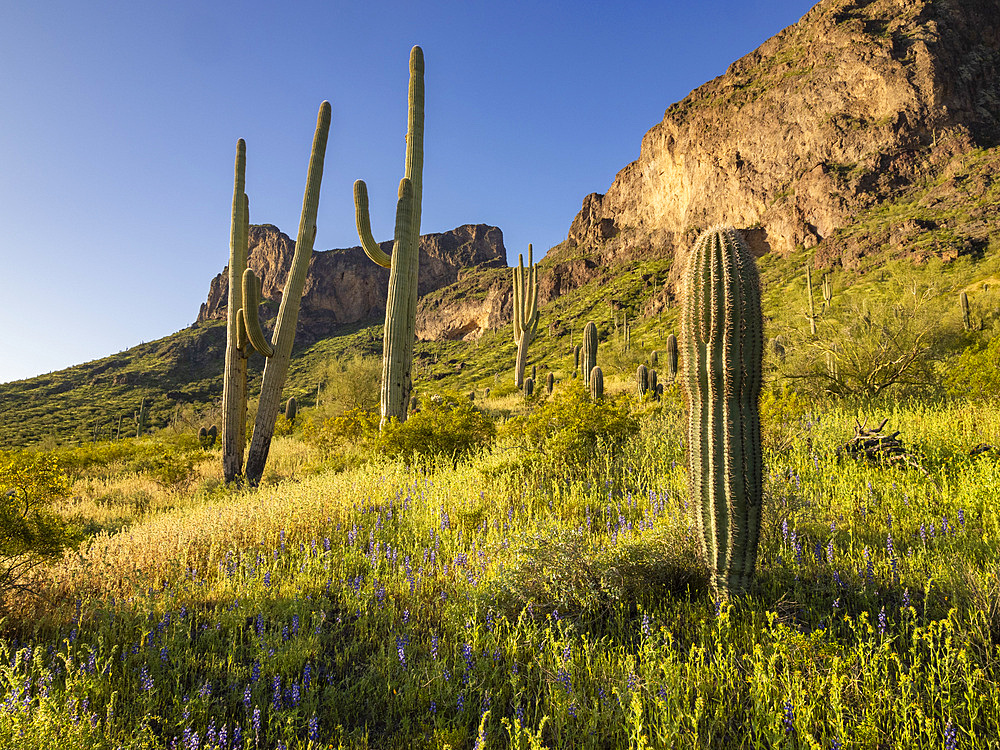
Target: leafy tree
point(446, 426)
point(30, 531)
point(874, 347)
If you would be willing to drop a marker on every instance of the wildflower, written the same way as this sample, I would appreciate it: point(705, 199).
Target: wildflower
point(277, 692)
point(961, 517)
point(789, 718)
point(246, 699)
point(296, 694)
point(295, 624)
point(255, 724)
point(461, 702)
point(906, 597)
point(314, 728)
point(399, 650)
point(306, 676)
point(145, 679)
point(434, 646)
point(255, 671)
point(881, 622)
point(434, 707)
point(267, 579)
point(950, 736)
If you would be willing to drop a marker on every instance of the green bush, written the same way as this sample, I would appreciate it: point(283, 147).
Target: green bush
point(565, 433)
point(446, 426)
point(30, 531)
point(975, 373)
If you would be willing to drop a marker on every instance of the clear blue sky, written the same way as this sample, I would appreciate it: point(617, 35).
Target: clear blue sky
point(119, 122)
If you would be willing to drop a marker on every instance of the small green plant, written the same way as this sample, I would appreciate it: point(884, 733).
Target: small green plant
point(31, 533)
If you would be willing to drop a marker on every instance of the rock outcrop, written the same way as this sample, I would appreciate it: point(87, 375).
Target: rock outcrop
point(851, 105)
point(344, 286)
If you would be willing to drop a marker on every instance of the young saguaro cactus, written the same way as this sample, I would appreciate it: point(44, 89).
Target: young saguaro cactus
point(722, 339)
point(672, 357)
point(596, 383)
point(642, 380)
point(963, 300)
point(403, 264)
point(588, 355)
point(276, 369)
point(525, 312)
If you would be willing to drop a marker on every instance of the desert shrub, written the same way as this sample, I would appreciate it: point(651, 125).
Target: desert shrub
point(564, 434)
point(447, 426)
point(351, 384)
point(975, 372)
point(355, 425)
point(30, 531)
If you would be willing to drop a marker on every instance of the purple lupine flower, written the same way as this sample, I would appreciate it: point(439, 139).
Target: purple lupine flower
point(461, 702)
point(296, 694)
point(306, 676)
point(224, 737)
point(950, 736)
point(881, 622)
point(314, 728)
point(434, 646)
point(906, 597)
point(789, 719)
point(829, 551)
point(277, 692)
point(255, 672)
point(267, 579)
point(255, 724)
point(400, 644)
point(295, 624)
point(434, 707)
point(247, 699)
point(961, 517)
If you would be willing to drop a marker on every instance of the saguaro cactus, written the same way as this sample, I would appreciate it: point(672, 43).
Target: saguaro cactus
point(525, 312)
point(529, 387)
point(588, 355)
point(291, 409)
point(403, 264)
point(642, 380)
point(596, 383)
point(672, 357)
point(827, 291)
point(550, 381)
point(244, 328)
point(963, 300)
point(809, 293)
point(722, 339)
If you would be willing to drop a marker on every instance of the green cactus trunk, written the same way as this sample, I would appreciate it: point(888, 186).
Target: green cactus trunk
point(963, 299)
point(722, 339)
point(234, 389)
point(596, 383)
point(550, 381)
point(642, 380)
point(291, 409)
point(529, 387)
point(588, 355)
point(276, 369)
point(672, 357)
point(401, 305)
point(809, 294)
point(525, 313)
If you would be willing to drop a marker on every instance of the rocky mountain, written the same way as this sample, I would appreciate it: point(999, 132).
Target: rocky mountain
point(345, 286)
point(854, 104)
point(860, 103)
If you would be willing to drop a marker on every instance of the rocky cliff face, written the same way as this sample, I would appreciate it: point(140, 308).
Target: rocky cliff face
point(344, 286)
point(857, 101)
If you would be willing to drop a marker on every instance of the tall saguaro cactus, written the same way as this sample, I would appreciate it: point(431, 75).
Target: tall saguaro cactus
point(722, 341)
point(588, 355)
point(403, 264)
point(525, 312)
point(243, 327)
point(276, 369)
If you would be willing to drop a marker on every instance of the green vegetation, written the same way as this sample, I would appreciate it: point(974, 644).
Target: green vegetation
point(525, 313)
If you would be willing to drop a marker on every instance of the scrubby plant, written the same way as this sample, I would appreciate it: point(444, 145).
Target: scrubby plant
point(723, 342)
point(401, 305)
point(449, 427)
point(31, 533)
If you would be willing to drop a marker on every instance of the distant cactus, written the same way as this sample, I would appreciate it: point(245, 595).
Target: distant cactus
point(529, 387)
point(655, 387)
point(722, 339)
point(659, 391)
point(213, 435)
point(596, 383)
point(401, 305)
point(963, 299)
point(827, 291)
point(588, 355)
point(654, 358)
point(672, 357)
point(525, 313)
point(203, 437)
point(140, 419)
point(291, 409)
point(550, 381)
point(809, 294)
point(576, 357)
point(642, 380)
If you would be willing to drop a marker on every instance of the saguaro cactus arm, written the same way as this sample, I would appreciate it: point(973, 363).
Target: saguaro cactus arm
point(363, 221)
point(276, 368)
point(248, 314)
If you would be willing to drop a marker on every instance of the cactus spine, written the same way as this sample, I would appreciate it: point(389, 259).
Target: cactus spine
point(588, 355)
point(642, 380)
point(276, 368)
point(722, 338)
point(403, 264)
point(963, 299)
point(525, 313)
point(596, 383)
point(672, 357)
